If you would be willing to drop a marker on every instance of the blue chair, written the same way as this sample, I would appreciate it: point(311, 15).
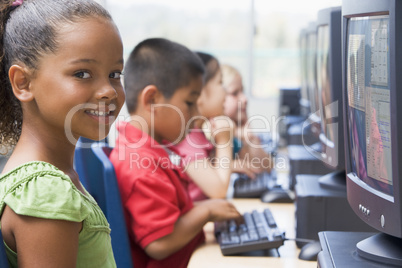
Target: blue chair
point(3, 256)
point(97, 174)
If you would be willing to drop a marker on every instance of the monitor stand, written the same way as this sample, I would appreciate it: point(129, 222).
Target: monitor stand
point(302, 161)
point(340, 249)
point(334, 181)
point(381, 248)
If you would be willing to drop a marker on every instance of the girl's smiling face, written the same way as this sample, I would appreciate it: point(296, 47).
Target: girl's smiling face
point(77, 90)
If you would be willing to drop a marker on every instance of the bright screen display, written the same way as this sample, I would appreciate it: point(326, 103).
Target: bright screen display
point(368, 96)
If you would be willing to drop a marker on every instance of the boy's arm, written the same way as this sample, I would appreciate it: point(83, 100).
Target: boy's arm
point(189, 225)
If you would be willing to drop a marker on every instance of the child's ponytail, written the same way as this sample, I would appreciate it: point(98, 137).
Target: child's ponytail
point(10, 108)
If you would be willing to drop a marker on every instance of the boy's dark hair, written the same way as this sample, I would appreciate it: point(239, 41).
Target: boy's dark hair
point(162, 63)
point(28, 32)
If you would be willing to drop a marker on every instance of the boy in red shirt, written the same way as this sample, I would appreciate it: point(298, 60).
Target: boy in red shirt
point(162, 80)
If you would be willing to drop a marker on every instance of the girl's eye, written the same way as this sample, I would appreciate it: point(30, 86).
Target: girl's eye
point(83, 75)
point(189, 104)
point(234, 94)
point(115, 75)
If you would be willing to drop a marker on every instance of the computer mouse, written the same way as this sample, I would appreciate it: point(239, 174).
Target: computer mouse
point(277, 195)
point(310, 251)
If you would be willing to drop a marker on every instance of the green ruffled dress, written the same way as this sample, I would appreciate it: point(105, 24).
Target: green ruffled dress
point(41, 190)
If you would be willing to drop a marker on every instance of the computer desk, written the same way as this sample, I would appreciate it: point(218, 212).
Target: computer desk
point(209, 254)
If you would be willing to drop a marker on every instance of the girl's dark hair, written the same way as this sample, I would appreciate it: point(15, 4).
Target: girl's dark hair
point(211, 65)
point(28, 32)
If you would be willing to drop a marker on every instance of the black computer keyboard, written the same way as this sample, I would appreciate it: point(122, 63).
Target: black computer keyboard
point(244, 187)
point(258, 232)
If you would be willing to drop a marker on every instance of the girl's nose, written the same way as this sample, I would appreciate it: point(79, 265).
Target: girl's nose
point(106, 92)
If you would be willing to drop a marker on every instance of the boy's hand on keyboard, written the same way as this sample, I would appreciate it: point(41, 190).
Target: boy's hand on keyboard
point(258, 232)
point(221, 210)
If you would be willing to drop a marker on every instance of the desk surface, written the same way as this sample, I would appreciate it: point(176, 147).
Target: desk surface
point(209, 254)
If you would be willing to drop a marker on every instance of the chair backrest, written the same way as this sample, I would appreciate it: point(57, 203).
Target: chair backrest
point(97, 174)
point(3, 256)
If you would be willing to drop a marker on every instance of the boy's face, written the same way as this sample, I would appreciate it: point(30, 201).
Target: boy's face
point(172, 115)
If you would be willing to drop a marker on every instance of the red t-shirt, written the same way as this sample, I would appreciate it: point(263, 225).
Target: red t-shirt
point(154, 196)
point(195, 146)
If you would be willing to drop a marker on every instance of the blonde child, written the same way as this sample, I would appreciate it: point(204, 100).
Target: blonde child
point(60, 75)
point(163, 80)
point(248, 150)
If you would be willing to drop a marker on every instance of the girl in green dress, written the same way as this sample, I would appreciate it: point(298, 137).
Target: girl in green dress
point(60, 79)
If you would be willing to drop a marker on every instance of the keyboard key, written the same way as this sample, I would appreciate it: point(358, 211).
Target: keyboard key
point(249, 220)
point(232, 226)
point(253, 235)
point(259, 231)
point(227, 239)
point(270, 218)
point(262, 233)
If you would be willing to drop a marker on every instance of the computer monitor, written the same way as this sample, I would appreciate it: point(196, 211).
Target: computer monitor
point(313, 119)
point(310, 63)
point(304, 98)
point(372, 82)
point(329, 87)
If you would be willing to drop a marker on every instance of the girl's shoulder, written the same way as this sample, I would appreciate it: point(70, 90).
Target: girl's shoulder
point(40, 189)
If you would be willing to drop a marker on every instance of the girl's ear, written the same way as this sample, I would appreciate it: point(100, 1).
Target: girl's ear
point(20, 82)
point(150, 95)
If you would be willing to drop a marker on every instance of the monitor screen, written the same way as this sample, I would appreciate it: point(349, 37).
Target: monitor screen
point(369, 110)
